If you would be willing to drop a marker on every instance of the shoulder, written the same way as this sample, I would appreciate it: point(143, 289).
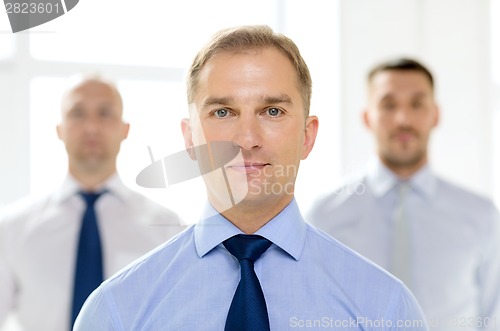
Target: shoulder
point(468, 196)
point(338, 256)
point(359, 278)
point(17, 218)
point(351, 193)
point(119, 295)
point(331, 249)
point(468, 203)
point(165, 258)
point(149, 210)
point(20, 210)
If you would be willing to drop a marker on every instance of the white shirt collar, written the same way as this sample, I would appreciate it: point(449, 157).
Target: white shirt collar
point(381, 180)
point(70, 187)
point(286, 230)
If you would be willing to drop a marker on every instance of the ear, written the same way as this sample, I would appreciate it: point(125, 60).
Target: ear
point(437, 116)
point(188, 137)
point(59, 132)
point(366, 118)
point(311, 131)
point(126, 129)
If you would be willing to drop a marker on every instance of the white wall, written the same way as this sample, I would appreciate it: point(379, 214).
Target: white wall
point(452, 37)
point(14, 132)
point(318, 40)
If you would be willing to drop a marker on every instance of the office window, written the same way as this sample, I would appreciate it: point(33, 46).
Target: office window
point(150, 33)
point(495, 42)
point(6, 45)
point(47, 154)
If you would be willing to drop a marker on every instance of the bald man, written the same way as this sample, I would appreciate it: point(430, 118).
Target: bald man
point(41, 254)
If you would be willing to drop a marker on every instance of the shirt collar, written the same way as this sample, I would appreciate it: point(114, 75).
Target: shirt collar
point(424, 182)
point(70, 187)
point(115, 185)
point(286, 230)
point(381, 180)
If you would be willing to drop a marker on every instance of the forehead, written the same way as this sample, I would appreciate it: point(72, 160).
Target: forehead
point(254, 69)
point(91, 88)
point(90, 93)
point(399, 83)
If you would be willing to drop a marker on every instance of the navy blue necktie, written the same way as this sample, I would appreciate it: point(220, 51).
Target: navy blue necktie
point(89, 269)
point(248, 311)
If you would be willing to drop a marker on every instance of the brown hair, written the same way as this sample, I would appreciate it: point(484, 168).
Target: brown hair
point(401, 64)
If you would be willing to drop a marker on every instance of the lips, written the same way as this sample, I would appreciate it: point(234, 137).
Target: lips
point(404, 136)
point(92, 144)
point(248, 167)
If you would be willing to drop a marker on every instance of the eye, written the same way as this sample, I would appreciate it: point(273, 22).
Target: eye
point(274, 112)
point(221, 113)
point(388, 106)
point(105, 112)
point(76, 113)
point(417, 105)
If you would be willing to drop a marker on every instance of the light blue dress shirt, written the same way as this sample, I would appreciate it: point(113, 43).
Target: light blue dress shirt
point(309, 281)
point(454, 242)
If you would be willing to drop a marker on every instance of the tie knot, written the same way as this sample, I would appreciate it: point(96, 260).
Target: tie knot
point(247, 246)
point(90, 197)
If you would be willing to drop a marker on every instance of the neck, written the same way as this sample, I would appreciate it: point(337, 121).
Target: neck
point(90, 181)
point(405, 171)
point(249, 217)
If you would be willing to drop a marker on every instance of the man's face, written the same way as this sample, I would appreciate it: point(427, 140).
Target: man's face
point(252, 100)
point(401, 114)
point(91, 127)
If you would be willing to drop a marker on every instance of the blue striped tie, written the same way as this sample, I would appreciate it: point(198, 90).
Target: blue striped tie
point(89, 268)
point(248, 311)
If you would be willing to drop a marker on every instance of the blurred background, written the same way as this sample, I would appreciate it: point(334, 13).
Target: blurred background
point(146, 47)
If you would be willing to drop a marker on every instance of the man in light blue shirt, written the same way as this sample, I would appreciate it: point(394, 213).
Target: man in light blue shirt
point(441, 240)
point(250, 86)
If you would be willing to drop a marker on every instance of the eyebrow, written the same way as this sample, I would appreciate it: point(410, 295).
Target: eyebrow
point(217, 101)
point(284, 98)
point(418, 95)
point(267, 99)
point(80, 107)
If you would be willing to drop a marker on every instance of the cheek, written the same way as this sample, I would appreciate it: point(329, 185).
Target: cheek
point(214, 131)
point(70, 133)
point(384, 120)
point(289, 146)
point(384, 126)
point(199, 135)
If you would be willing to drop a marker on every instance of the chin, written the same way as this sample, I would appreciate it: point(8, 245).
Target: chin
point(405, 161)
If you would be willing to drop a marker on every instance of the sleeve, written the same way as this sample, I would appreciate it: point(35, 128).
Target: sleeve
point(96, 314)
point(488, 277)
point(7, 284)
point(408, 315)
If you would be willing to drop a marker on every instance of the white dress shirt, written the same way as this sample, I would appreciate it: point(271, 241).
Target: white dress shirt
point(454, 242)
point(38, 244)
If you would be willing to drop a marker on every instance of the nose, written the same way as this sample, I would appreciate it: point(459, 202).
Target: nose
point(403, 116)
point(248, 133)
point(91, 124)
